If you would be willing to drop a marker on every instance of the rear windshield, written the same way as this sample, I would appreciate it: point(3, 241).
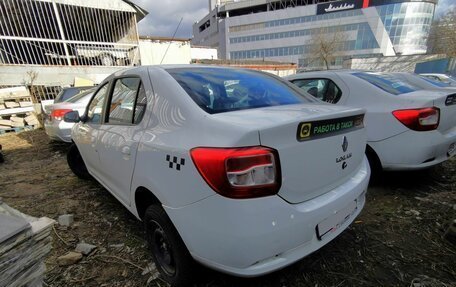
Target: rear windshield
point(80, 96)
point(388, 83)
point(218, 90)
point(67, 93)
point(435, 82)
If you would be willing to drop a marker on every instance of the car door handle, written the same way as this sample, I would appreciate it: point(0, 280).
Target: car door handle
point(126, 150)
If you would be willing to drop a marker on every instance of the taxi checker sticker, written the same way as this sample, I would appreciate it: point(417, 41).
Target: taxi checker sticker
point(312, 130)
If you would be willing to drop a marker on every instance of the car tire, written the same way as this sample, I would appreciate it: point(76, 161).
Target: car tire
point(76, 163)
point(2, 159)
point(169, 253)
point(375, 165)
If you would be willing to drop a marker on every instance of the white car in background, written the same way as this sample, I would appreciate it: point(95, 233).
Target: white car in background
point(451, 80)
point(236, 169)
point(54, 125)
point(407, 127)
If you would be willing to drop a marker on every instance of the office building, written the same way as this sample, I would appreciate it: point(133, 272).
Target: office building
point(285, 30)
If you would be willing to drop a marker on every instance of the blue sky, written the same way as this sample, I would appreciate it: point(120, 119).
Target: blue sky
point(164, 15)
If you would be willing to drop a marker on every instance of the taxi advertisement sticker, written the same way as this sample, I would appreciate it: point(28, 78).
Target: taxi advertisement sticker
point(309, 130)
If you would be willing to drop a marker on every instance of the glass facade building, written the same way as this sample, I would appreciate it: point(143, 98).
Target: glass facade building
point(295, 31)
point(408, 25)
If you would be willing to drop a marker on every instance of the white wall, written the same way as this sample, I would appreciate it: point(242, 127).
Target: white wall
point(200, 53)
point(152, 52)
point(389, 64)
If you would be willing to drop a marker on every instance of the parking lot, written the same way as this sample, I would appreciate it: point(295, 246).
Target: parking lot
point(396, 241)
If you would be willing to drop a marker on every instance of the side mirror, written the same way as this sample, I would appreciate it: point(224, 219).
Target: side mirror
point(72, 117)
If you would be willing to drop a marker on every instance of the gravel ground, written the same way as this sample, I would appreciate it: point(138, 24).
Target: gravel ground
point(396, 241)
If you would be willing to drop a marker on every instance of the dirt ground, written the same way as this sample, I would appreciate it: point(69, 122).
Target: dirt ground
point(396, 241)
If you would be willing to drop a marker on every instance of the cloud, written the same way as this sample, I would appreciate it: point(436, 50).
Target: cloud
point(443, 7)
point(164, 16)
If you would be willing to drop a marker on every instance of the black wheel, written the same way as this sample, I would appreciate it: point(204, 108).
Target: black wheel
point(76, 163)
point(375, 165)
point(169, 253)
point(1, 158)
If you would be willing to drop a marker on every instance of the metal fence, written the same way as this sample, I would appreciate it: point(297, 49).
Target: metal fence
point(61, 32)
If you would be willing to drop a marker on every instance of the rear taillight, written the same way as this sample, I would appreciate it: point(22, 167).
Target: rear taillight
point(425, 119)
point(59, 113)
point(239, 172)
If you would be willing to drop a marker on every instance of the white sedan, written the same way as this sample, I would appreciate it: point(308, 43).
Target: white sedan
point(407, 128)
point(55, 127)
point(236, 169)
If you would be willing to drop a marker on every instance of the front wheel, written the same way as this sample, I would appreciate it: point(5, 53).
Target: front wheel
point(169, 253)
point(76, 163)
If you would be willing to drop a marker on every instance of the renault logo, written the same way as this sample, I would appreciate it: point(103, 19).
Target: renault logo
point(345, 144)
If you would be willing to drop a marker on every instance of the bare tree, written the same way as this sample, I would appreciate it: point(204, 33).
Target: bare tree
point(326, 45)
point(442, 37)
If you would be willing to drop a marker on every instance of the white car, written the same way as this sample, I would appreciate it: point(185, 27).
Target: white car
point(54, 125)
point(236, 169)
point(407, 128)
point(451, 80)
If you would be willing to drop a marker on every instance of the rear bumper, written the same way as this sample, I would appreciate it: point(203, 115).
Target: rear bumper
point(413, 150)
point(253, 237)
point(58, 130)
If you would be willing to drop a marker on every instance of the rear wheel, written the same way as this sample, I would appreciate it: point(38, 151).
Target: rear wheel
point(375, 165)
point(169, 253)
point(76, 163)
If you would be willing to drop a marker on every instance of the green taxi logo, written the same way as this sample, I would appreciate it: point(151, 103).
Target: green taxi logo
point(305, 130)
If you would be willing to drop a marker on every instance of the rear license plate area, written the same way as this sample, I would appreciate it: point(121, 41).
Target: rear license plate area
point(335, 221)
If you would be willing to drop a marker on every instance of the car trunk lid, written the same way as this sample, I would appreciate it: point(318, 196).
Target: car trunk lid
point(319, 146)
point(447, 106)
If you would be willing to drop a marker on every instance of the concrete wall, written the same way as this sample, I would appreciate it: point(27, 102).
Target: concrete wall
point(389, 64)
point(16, 75)
point(201, 53)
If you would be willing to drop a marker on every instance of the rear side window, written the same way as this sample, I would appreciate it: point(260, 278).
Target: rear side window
point(323, 89)
point(388, 83)
point(218, 90)
point(127, 103)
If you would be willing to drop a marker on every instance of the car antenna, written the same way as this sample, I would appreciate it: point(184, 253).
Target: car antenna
point(172, 39)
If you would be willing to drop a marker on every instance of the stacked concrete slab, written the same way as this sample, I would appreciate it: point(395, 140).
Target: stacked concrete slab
point(16, 109)
point(25, 242)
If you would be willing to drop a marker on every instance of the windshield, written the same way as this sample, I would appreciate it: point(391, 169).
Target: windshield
point(386, 82)
point(81, 95)
point(218, 90)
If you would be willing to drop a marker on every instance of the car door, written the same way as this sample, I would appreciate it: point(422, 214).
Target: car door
point(120, 135)
point(87, 131)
